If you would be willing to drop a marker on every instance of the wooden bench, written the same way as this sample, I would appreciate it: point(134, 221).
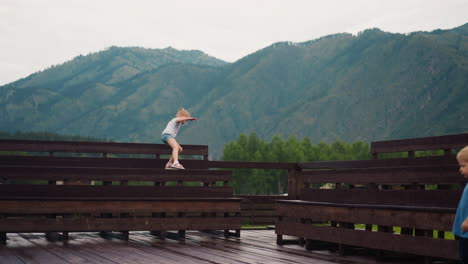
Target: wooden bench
point(112, 194)
point(445, 143)
point(392, 204)
point(54, 153)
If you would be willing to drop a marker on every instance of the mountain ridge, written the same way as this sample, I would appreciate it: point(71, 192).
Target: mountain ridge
point(371, 86)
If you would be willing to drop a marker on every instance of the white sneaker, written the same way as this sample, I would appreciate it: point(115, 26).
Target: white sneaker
point(177, 166)
point(168, 166)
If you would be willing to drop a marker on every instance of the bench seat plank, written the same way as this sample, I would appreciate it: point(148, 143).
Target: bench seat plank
point(418, 245)
point(26, 191)
point(380, 163)
point(116, 224)
point(429, 198)
point(437, 174)
point(406, 216)
point(109, 206)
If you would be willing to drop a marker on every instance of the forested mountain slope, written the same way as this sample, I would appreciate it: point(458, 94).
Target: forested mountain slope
point(371, 86)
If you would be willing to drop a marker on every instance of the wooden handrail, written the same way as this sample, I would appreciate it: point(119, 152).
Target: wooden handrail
point(420, 144)
point(376, 163)
point(96, 147)
point(112, 174)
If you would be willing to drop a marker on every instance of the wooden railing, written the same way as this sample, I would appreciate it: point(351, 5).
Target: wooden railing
point(365, 202)
point(111, 192)
point(363, 191)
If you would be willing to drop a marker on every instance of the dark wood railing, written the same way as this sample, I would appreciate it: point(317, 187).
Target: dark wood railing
point(365, 200)
point(363, 192)
point(111, 191)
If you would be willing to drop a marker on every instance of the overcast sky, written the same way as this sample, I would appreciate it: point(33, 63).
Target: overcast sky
point(35, 34)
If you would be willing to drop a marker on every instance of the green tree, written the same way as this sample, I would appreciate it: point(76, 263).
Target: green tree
point(264, 181)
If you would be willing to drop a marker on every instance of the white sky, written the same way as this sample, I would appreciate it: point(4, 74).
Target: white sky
point(35, 34)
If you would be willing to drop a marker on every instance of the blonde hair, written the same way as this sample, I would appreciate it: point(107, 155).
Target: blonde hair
point(463, 154)
point(183, 112)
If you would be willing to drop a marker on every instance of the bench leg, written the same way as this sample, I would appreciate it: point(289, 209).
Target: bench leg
point(427, 260)
point(228, 233)
point(105, 234)
point(341, 249)
point(279, 240)
point(181, 234)
point(52, 236)
point(125, 235)
point(309, 244)
point(160, 234)
point(301, 241)
point(3, 237)
point(65, 236)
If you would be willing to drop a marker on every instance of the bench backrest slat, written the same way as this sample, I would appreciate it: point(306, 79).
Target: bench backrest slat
point(447, 142)
point(94, 162)
point(380, 163)
point(29, 191)
point(112, 174)
point(435, 198)
point(399, 175)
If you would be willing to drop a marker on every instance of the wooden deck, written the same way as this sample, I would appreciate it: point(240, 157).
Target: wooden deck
point(254, 246)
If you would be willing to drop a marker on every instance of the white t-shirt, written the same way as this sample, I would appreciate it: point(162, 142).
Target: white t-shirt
point(172, 127)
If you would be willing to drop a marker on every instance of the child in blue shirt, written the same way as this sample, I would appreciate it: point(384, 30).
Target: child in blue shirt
point(460, 225)
point(169, 134)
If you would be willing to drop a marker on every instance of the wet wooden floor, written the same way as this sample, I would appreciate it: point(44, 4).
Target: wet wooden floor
point(254, 246)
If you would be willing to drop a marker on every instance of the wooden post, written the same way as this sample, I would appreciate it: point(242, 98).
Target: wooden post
point(279, 237)
point(295, 184)
point(309, 244)
point(226, 231)
point(124, 233)
point(3, 235)
point(51, 236)
point(159, 233)
point(279, 240)
point(105, 215)
point(3, 238)
point(181, 233)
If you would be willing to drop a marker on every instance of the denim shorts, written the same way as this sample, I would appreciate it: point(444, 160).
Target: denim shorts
point(166, 137)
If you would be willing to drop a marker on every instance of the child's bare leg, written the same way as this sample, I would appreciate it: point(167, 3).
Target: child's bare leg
point(175, 150)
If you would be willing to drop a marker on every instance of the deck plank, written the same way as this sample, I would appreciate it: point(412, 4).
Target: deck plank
point(254, 246)
point(191, 250)
point(265, 249)
point(120, 251)
point(7, 256)
point(27, 252)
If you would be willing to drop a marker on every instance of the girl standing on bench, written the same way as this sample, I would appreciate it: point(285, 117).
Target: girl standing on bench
point(169, 134)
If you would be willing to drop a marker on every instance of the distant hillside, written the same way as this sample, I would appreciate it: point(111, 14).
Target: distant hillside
point(372, 86)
